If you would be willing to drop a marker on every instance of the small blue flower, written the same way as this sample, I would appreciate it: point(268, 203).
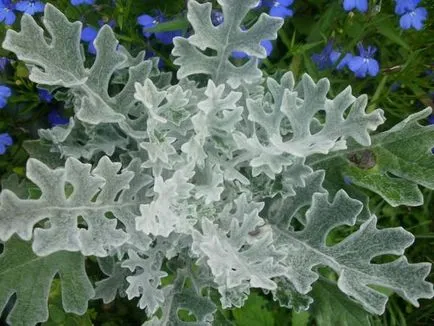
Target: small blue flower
point(30, 7)
point(5, 141)
point(82, 2)
point(88, 35)
point(364, 64)
point(3, 63)
point(360, 5)
point(403, 6)
point(345, 60)
point(217, 17)
point(411, 15)
point(278, 8)
point(327, 57)
point(7, 14)
point(265, 43)
point(167, 37)
point(431, 119)
point(45, 95)
point(147, 21)
point(5, 93)
point(56, 119)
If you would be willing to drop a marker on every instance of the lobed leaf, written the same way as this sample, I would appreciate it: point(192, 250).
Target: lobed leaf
point(29, 277)
point(225, 38)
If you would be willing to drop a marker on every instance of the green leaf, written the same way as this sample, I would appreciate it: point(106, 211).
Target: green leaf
point(391, 32)
point(403, 161)
point(300, 318)
point(30, 276)
point(332, 307)
point(42, 151)
point(173, 25)
point(254, 312)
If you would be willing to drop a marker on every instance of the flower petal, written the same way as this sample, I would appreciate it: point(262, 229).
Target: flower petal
point(355, 63)
point(405, 21)
point(88, 34)
point(373, 67)
point(281, 12)
point(146, 21)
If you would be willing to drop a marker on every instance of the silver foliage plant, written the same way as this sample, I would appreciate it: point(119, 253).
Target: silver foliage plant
point(219, 179)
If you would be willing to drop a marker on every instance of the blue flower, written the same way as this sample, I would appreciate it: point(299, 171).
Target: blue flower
point(360, 5)
point(45, 95)
point(82, 2)
point(364, 64)
point(411, 15)
point(30, 7)
point(147, 21)
point(6, 12)
point(402, 6)
point(326, 58)
point(431, 119)
point(167, 37)
point(217, 17)
point(278, 8)
point(345, 60)
point(265, 43)
point(5, 93)
point(5, 141)
point(3, 63)
point(56, 119)
point(88, 35)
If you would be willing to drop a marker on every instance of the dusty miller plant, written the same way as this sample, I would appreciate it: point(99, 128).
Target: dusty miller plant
point(227, 180)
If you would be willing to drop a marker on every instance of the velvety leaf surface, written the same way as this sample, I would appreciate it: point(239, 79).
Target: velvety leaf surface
point(224, 39)
point(29, 277)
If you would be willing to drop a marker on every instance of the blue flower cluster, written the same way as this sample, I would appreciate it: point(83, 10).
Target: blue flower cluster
point(29, 7)
point(411, 16)
point(361, 65)
point(54, 117)
point(5, 138)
